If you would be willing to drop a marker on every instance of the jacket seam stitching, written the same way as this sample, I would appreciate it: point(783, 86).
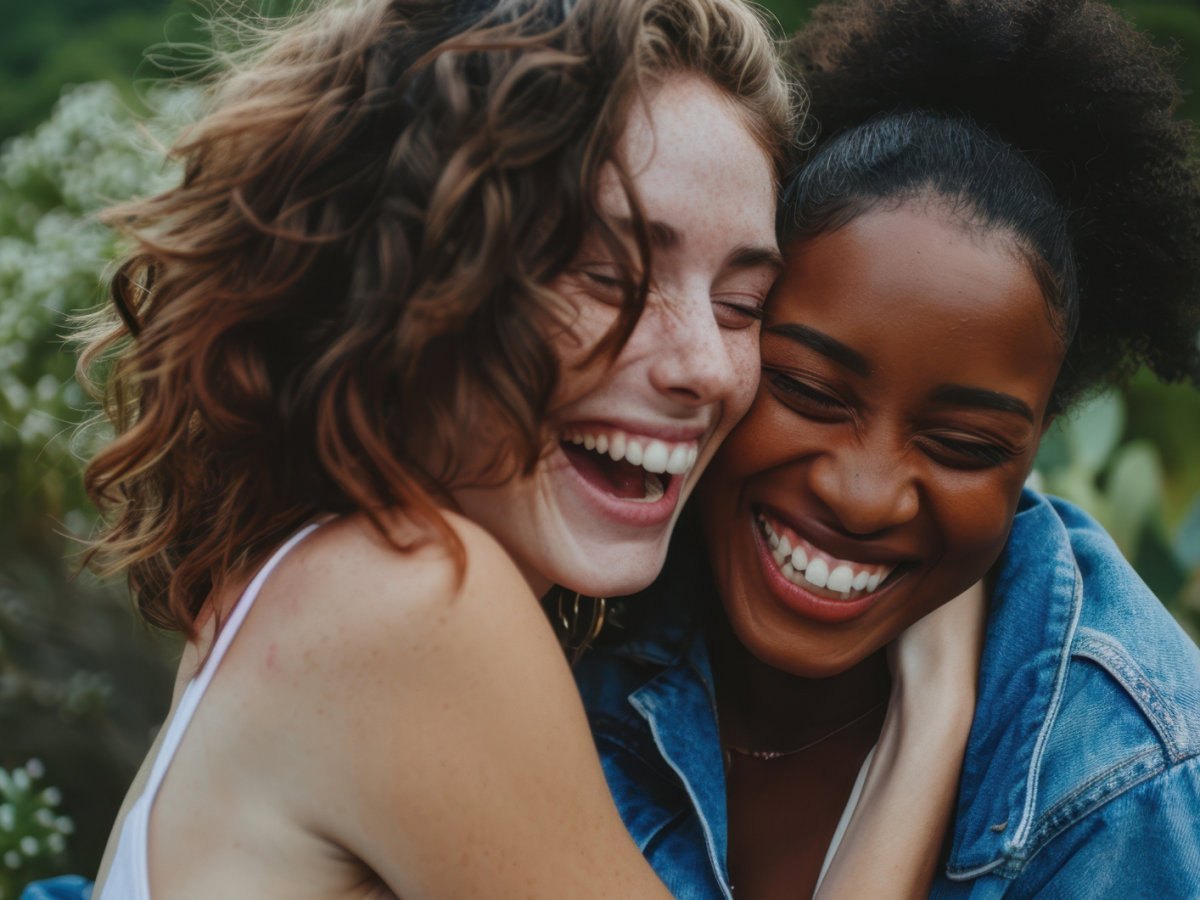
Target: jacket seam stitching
point(1096, 785)
point(673, 819)
point(1111, 656)
point(610, 736)
point(968, 874)
point(1045, 829)
point(1021, 860)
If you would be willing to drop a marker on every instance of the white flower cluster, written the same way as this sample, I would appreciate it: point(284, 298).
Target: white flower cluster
point(90, 153)
point(33, 837)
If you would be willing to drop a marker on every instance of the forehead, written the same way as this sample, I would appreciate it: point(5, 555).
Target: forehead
point(695, 164)
point(924, 297)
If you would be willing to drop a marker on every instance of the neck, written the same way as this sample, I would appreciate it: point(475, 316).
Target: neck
point(538, 583)
point(764, 708)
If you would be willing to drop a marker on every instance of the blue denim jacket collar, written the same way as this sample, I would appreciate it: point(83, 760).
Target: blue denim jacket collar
point(682, 695)
point(1038, 595)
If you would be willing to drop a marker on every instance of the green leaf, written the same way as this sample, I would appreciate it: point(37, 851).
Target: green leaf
point(1158, 567)
point(1093, 432)
point(1135, 492)
point(1187, 538)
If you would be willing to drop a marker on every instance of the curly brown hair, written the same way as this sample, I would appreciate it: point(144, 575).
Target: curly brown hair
point(353, 273)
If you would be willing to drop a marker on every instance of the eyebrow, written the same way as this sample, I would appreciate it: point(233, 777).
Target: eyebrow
point(747, 256)
point(960, 395)
point(661, 235)
point(825, 345)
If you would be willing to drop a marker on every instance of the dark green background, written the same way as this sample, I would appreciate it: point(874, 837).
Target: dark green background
point(45, 44)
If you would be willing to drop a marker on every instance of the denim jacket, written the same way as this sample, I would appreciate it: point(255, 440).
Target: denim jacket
point(1082, 771)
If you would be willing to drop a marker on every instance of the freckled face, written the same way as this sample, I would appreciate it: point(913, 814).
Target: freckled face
point(907, 364)
point(635, 433)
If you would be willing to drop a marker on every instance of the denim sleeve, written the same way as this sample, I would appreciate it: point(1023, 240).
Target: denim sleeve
point(1142, 845)
point(68, 887)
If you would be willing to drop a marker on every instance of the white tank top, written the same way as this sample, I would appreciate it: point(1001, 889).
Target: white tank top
point(129, 876)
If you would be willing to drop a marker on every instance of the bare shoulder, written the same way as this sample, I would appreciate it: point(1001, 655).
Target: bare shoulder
point(356, 592)
point(370, 641)
point(432, 727)
point(407, 569)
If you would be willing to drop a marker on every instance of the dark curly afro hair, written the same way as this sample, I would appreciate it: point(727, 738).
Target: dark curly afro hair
point(1067, 109)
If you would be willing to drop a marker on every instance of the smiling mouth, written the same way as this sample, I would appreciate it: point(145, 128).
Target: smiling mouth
point(627, 466)
point(807, 566)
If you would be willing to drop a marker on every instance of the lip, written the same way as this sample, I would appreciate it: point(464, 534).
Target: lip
point(834, 544)
point(625, 512)
point(808, 604)
point(677, 434)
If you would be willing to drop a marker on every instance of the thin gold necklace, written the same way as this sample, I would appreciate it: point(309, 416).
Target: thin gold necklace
point(776, 754)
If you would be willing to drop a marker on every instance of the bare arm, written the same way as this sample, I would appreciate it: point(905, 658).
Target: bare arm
point(891, 846)
point(474, 770)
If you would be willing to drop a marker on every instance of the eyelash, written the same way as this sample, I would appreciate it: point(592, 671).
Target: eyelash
point(605, 281)
point(790, 385)
point(987, 454)
point(751, 311)
point(752, 314)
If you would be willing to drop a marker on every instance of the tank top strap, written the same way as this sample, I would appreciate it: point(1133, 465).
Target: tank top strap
point(199, 684)
point(129, 875)
point(844, 821)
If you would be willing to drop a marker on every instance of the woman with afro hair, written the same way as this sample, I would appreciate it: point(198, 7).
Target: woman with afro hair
point(998, 216)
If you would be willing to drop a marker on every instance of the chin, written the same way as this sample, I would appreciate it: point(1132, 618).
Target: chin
point(614, 570)
point(588, 522)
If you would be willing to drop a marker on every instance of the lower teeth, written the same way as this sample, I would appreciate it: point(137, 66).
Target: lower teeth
point(653, 486)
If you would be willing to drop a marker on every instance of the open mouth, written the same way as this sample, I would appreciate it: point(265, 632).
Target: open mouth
point(628, 467)
point(807, 566)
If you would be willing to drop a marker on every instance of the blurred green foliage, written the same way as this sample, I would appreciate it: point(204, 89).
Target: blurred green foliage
point(1132, 460)
point(82, 688)
point(46, 45)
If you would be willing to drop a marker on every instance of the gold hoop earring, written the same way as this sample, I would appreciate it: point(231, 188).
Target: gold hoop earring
point(574, 639)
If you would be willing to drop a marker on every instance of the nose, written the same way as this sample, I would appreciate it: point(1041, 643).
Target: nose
point(691, 361)
point(868, 487)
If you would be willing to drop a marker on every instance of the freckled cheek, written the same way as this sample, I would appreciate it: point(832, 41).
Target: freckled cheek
point(746, 367)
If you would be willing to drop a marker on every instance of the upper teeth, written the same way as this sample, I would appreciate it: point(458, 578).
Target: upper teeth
point(843, 577)
point(651, 454)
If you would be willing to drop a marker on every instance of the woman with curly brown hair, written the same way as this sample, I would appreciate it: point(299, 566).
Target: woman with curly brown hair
point(999, 216)
point(452, 306)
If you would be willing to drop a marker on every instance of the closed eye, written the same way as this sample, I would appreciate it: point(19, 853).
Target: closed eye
point(800, 394)
point(958, 453)
point(607, 277)
point(735, 315)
